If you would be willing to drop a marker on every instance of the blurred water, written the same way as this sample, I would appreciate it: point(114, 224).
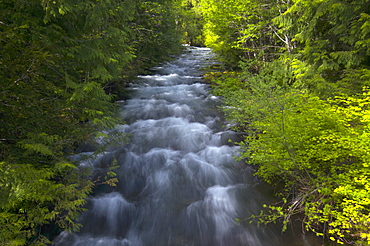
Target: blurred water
point(178, 181)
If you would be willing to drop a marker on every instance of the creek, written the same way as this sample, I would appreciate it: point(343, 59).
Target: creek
point(178, 181)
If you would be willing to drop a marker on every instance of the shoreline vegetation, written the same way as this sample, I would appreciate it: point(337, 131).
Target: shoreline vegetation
point(63, 66)
point(296, 84)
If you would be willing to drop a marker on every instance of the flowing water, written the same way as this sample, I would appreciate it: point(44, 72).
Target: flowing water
point(178, 181)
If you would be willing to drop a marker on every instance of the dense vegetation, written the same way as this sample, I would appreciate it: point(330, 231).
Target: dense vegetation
point(63, 63)
point(298, 85)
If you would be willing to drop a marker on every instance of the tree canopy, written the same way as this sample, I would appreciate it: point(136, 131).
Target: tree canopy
point(63, 63)
point(297, 85)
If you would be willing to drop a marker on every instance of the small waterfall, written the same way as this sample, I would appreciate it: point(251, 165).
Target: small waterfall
point(178, 181)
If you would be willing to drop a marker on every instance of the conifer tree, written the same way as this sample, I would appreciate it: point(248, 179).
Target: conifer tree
point(57, 60)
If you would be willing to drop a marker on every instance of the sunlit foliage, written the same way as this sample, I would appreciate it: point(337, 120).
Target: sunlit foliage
point(317, 148)
point(304, 111)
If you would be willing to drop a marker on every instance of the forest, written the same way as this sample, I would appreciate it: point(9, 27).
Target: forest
point(295, 80)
